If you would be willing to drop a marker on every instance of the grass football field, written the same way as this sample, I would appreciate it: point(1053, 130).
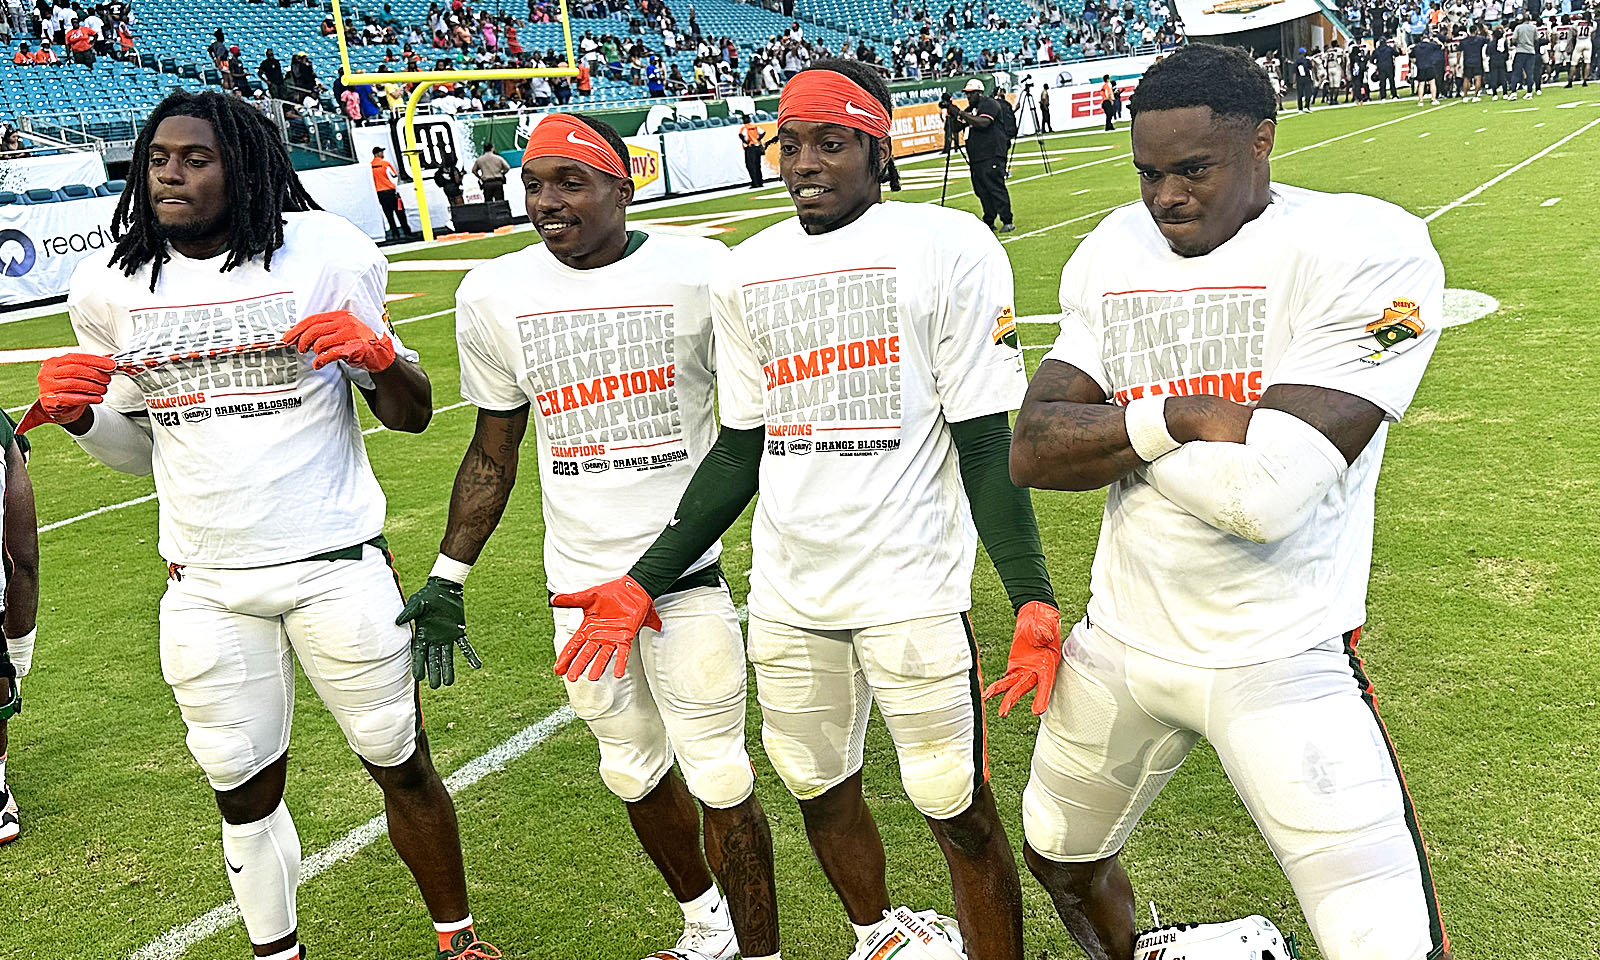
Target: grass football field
point(1480, 636)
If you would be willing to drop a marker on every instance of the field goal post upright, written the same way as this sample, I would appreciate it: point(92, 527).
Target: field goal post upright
point(421, 80)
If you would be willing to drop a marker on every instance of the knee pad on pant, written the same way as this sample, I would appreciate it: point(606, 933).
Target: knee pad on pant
point(263, 863)
point(226, 755)
point(720, 783)
point(385, 736)
point(939, 779)
point(631, 774)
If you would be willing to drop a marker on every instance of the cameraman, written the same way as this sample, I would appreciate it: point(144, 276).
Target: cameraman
point(987, 145)
point(952, 126)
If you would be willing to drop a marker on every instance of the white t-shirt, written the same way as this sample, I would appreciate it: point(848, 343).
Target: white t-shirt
point(1300, 295)
point(258, 458)
point(617, 365)
point(855, 349)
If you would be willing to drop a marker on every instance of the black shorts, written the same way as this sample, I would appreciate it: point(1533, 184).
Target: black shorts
point(1470, 71)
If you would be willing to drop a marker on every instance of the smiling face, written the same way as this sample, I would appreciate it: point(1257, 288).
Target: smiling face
point(188, 186)
point(1201, 176)
point(580, 212)
point(828, 170)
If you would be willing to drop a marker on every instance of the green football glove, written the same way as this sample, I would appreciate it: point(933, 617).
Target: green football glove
point(440, 617)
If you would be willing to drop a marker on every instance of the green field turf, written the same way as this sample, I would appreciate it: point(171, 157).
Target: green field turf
point(1480, 635)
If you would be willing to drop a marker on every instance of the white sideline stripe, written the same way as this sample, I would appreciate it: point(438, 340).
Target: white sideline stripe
point(1352, 133)
point(1506, 173)
point(177, 940)
point(426, 316)
point(150, 496)
point(96, 512)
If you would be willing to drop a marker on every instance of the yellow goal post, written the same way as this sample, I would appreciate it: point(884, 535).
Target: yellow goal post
point(420, 81)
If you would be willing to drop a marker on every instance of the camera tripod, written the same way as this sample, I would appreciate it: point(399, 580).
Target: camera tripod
point(1027, 102)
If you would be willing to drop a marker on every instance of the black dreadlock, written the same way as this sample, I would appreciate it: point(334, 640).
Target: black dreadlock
point(870, 80)
point(261, 180)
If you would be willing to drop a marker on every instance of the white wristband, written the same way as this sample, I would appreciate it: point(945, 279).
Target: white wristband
point(1146, 419)
point(450, 569)
point(21, 651)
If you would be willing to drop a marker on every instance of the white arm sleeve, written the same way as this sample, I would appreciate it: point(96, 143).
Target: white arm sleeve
point(119, 441)
point(1263, 489)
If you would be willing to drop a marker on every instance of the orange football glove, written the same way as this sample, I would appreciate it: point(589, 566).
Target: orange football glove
point(68, 384)
point(613, 613)
point(341, 336)
point(1035, 657)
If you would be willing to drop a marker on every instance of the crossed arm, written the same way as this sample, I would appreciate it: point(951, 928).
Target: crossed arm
point(1238, 468)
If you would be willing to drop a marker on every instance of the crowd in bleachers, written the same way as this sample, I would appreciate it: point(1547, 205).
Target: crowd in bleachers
point(51, 33)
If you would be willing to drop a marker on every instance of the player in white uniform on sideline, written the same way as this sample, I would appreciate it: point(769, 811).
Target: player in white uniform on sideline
point(1582, 49)
point(607, 334)
point(219, 348)
point(866, 363)
point(1230, 353)
point(19, 600)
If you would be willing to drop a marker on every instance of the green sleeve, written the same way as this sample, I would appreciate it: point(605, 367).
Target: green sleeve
point(717, 493)
point(1002, 511)
point(8, 434)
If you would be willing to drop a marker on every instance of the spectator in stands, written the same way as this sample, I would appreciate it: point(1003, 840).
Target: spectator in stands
point(22, 57)
point(270, 72)
point(45, 55)
point(383, 174)
point(80, 41)
point(302, 77)
point(10, 141)
point(237, 76)
point(585, 81)
point(491, 169)
point(218, 54)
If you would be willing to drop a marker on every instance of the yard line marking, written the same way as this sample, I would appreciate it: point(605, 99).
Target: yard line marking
point(1424, 134)
point(96, 512)
point(1537, 125)
point(1369, 139)
point(1352, 133)
point(1508, 172)
point(1313, 146)
point(429, 266)
point(1079, 193)
point(1551, 202)
point(426, 316)
point(1480, 129)
point(176, 941)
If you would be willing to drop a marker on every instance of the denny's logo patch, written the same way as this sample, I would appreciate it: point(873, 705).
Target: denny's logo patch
point(1005, 328)
point(1401, 321)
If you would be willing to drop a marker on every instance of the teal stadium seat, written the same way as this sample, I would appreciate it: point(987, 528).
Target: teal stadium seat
point(39, 195)
point(74, 191)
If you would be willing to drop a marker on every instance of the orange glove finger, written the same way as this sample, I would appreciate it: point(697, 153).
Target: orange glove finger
point(653, 620)
point(88, 373)
point(1000, 686)
point(580, 599)
point(328, 339)
point(93, 360)
point(1026, 681)
point(62, 399)
point(331, 318)
point(597, 667)
point(581, 662)
point(346, 351)
point(568, 652)
point(1041, 699)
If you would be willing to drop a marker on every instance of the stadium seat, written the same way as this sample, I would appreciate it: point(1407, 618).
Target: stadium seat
point(74, 191)
point(7, 198)
point(110, 188)
point(39, 195)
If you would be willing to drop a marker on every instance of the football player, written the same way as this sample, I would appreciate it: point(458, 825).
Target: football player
point(1231, 352)
point(1582, 49)
point(218, 349)
point(602, 336)
point(19, 599)
point(866, 362)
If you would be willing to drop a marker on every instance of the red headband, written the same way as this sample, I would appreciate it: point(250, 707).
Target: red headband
point(563, 135)
point(823, 96)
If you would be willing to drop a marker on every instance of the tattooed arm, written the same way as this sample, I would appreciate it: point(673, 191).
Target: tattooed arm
point(483, 484)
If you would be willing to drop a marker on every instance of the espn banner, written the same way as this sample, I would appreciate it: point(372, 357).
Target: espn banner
point(1075, 91)
point(1211, 18)
point(42, 243)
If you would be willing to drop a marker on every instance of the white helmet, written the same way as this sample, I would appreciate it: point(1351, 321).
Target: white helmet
point(1253, 938)
point(912, 936)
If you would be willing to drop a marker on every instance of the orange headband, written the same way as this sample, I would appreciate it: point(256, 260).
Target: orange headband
point(563, 135)
point(823, 96)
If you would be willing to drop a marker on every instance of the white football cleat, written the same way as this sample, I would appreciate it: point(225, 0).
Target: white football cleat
point(1252, 938)
point(10, 823)
point(905, 935)
point(704, 941)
